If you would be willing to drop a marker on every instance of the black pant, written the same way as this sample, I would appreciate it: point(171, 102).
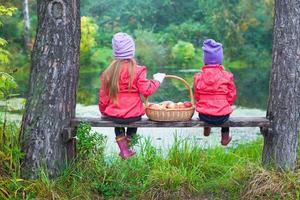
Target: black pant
point(121, 130)
point(216, 120)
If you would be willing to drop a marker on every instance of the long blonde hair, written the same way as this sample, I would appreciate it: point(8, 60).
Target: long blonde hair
point(112, 76)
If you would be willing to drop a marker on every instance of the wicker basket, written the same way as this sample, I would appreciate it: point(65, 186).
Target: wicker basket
point(169, 115)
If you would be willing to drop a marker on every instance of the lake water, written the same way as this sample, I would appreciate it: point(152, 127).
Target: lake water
point(163, 138)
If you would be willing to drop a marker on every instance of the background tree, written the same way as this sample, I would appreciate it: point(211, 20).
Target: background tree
point(53, 80)
point(281, 142)
point(26, 25)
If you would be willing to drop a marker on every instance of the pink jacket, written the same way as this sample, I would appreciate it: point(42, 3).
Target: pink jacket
point(214, 90)
point(129, 102)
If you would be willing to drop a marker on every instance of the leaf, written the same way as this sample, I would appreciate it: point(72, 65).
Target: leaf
point(13, 95)
point(4, 191)
point(7, 11)
point(2, 42)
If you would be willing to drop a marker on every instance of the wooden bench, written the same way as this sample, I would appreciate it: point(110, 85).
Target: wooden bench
point(69, 133)
point(261, 122)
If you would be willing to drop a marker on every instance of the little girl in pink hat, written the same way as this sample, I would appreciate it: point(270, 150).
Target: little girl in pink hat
point(122, 84)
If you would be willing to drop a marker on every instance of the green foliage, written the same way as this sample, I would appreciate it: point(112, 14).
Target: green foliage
point(186, 171)
point(102, 58)
point(243, 27)
point(190, 31)
point(4, 11)
point(4, 54)
point(7, 86)
point(89, 143)
point(93, 60)
point(88, 38)
point(10, 152)
point(88, 33)
point(183, 53)
point(149, 50)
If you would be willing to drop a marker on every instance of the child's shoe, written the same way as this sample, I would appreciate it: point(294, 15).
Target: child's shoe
point(129, 140)
point(226, 138)
point(125, 152)
point(206, 131)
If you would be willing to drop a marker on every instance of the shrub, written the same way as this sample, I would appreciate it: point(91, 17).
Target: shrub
point(101, 58)
point(183, 53)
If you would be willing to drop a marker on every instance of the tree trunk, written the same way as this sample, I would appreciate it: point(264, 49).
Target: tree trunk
point(280, 144)
point(26, 26)
point(53, 82)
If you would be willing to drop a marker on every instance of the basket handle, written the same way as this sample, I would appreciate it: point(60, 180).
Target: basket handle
point(186, 85)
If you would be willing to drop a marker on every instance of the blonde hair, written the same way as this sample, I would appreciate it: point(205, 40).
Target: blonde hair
point(112, 76)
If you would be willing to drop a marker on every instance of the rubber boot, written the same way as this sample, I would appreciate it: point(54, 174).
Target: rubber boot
point(226, 138)
point(206, 131)
point(129, 139)
point(125, 152)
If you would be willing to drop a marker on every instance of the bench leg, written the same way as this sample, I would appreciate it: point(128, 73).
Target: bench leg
point(70, 142)
point(265, 131)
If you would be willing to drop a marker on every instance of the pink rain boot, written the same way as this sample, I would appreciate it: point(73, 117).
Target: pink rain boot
point(226, 138)
point(129, 139)
point(206, 131)
point(124, 151)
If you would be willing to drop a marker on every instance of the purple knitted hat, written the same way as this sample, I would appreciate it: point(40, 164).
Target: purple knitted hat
point(123, 46)
point(212, 52)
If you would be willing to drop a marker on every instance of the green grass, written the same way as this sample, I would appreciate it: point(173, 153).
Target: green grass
point(185, 172)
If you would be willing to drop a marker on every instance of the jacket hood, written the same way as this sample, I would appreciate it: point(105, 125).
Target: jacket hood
point(211, 74)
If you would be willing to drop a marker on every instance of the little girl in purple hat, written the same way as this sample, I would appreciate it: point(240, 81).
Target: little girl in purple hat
point(214, 89)
point(122, 84)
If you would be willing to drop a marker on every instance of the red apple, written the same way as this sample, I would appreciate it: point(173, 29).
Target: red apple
point(187, 104)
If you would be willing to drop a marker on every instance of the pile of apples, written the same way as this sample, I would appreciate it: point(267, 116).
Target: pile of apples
point(170, 105)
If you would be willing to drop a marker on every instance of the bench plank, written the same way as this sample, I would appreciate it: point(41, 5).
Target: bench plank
point(145, 122)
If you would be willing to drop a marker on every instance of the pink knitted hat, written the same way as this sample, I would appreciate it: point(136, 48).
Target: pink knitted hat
point(123, 46)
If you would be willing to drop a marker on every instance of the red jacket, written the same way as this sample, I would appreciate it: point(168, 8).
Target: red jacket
point(129, 102)
point(214, 90)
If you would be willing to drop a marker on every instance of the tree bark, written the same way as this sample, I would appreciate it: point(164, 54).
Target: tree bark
point(280, 144)
point(26, 34)
point(53, 82)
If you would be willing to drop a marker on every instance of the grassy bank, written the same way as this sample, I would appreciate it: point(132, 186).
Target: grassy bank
point(185, 172)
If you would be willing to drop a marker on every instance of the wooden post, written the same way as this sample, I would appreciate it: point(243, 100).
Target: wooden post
point(280, 143)
point(53, 83)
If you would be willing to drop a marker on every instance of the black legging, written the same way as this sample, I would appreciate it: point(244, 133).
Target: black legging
point(216, 120)
point(121, 130)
